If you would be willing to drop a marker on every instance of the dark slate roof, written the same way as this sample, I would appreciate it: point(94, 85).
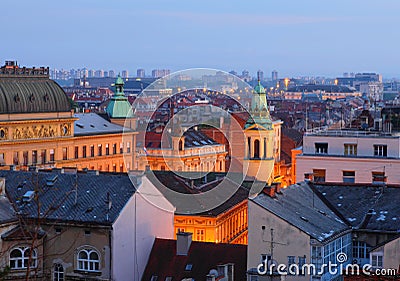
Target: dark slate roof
point(6, 211)
point(195, 138)
point(31, 95)
point(354, 201)
point(298, 206)
point(58, 201)
point(93, 124)
point(172, 181)
point(163, 261)
point(324, 88)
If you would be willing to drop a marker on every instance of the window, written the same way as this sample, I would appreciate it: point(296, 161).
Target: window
point(321, 148)
point(350, 149)
point(25, 157)
point(256, 149)
point(349, 176)
point(19, 258)
point(84, 151)
point(200, 235)
point(51, 155)
point(376, 260)
point(128, 147)
point(265, 147)
point(121, 148)
point(359, 250)
point(43, 156)
point(88, 260)
point(114, 148)
point(302, 262)
point(65, 153)
point(16, 158)
point(380, 150)
point(154, 278)
point(180, 145)
point(168, 278)
point(58, 273)
point(100, 150)
point(291, 260)
point(319, 175)
point(76, 152)
point(107, 149)
point(378, 178)
point(92, 151)
point(34, 157)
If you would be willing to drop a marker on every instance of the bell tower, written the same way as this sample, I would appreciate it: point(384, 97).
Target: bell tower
point(259, 155)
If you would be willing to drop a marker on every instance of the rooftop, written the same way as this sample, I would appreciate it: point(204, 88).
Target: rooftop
point(300, 207)
point(324, 131)
point(201, 258)
point(93, 124)
point(364, 206)
point(56, 193)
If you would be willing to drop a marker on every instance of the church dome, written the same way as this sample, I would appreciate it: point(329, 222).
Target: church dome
point(31, 95)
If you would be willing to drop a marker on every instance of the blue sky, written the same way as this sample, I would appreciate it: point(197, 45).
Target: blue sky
point(307, 37)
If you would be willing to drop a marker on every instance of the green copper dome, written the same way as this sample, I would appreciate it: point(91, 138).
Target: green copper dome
point(119, 106)
point(259, 109)
point(259, 89)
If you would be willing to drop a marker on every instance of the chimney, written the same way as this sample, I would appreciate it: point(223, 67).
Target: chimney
point(277, 186)
point(269, 190)
point(308, 177)
point(183, 241)
point(2, 186)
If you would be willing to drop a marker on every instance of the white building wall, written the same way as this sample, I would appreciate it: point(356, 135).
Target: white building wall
point(290, 241)
point(138, 224)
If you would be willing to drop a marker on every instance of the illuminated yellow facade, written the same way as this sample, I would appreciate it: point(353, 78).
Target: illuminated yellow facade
point(228, 227)
point(38, 127)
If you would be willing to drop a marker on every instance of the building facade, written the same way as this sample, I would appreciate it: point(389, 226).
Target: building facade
point(350, 156)
point(39, 128)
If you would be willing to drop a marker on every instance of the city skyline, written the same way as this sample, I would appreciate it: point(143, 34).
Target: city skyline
point(302, 38)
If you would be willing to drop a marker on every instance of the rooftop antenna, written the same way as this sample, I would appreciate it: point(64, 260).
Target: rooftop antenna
point(76, 188)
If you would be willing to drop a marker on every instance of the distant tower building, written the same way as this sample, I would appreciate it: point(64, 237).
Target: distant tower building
point(106, 73)
point(91, 73)
point(274, 75)
point(111, 73)
point(233, 72)
point(157, 73)
point(260, 75)
point(140, 73)
point(346, 75)
point(125, 74)
point(99, 73)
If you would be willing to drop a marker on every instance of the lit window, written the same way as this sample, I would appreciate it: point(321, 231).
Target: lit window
point(319, 175)
point(350, 149)
point(65, 153)
point(200, 235)
point(88, 260)
point(19, 258)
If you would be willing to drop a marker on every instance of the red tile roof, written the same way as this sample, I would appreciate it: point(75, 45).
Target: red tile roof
point(163, 261)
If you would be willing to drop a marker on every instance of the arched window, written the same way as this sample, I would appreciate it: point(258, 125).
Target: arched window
point(19, 258)
point(58, 272)
point(88, 260)
point(180, 145)
point(256, 149)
